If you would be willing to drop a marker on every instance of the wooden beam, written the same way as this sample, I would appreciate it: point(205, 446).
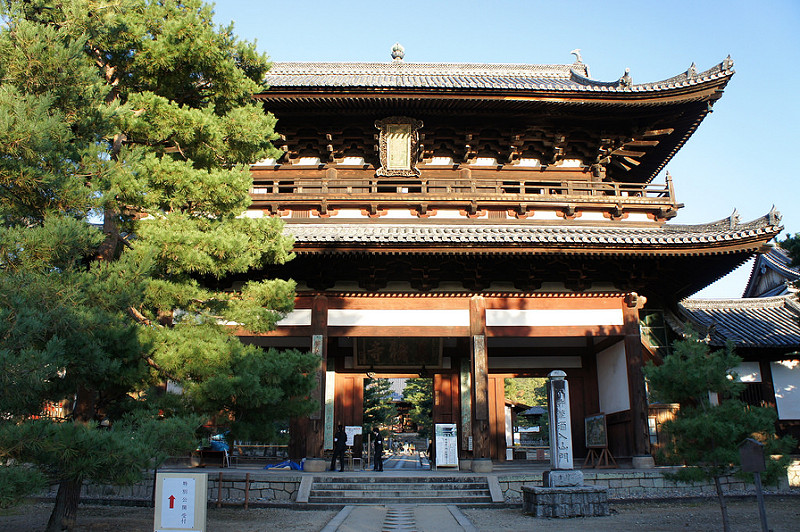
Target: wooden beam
point(642, 143)
point(622, 152)
point(659, 132)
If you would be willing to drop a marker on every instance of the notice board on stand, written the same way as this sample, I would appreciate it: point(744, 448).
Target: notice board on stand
point(446, 445)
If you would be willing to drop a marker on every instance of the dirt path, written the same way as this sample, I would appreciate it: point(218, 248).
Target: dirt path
point(783, 514)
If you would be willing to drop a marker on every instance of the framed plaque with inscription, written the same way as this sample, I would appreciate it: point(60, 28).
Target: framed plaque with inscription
point(398, 146)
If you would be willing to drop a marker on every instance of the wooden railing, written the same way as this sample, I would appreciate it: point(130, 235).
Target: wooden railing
point(334, 192)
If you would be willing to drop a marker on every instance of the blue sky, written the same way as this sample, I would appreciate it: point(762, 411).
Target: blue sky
point(741, 156)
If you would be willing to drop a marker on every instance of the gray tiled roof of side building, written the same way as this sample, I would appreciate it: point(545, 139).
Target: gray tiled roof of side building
point(750, 322)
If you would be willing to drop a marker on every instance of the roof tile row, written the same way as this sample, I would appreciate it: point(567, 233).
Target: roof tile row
point(331, 232)
point(471, 76)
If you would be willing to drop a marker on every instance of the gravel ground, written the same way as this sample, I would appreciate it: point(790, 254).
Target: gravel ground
point(783, 514)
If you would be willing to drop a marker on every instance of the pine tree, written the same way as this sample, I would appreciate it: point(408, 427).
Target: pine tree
point(419, 392)
point(705, 436)
point(138, 112)
point(379, 410)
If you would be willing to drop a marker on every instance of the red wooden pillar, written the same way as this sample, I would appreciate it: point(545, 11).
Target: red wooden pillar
point(479, 367)
point(306, 435)
point(497, 418)
point(635, 360)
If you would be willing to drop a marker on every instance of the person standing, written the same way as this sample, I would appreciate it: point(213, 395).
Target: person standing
point(378, 443)
point(339, 447)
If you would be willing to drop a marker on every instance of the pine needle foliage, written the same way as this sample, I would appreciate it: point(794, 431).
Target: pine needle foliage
point(138, 116)
point(705, 436)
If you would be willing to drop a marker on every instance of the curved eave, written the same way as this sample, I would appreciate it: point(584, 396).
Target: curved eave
point(585, 251)
point(687, 241)
point(339, 95)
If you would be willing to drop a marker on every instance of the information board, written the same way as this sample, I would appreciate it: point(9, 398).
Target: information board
point(181, 500)
point(446, 445)
point(351, 432)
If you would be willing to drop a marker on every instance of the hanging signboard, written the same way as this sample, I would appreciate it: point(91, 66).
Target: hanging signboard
point(446, 445)
point(181, 502)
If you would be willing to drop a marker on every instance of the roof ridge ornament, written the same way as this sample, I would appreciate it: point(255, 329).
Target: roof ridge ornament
point(727, 63)
point(774, 216)
point(626, 80)
point(577, 53)
point(733, 220)
point(398, 52)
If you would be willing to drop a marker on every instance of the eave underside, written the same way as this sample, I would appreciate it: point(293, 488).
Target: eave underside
point(633, 143)
point(664, 276)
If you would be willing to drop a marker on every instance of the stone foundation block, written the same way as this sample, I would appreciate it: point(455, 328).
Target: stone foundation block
point(579, 501)
point(562, 478)
point(314, 465)
point(482, 465)
point(643, 462)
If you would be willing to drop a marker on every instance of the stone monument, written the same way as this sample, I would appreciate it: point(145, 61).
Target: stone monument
point(562, 493)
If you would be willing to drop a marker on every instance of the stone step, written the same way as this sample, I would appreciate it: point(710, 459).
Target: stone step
point(398, 480)
point(400, 490)
point(401, 500)
point(355, 494)
point(391, 485)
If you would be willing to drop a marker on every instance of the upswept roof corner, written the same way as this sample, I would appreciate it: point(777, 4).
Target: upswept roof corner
point(684, 79)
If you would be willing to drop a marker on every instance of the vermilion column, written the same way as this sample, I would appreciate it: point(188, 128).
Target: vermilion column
point(635, 361)
point(306, 435)
point(479, 367)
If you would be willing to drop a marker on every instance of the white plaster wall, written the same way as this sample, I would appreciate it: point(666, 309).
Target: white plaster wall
point(786, 380)
point(544, 318)
point(398, 318)
point(748, 372)
point(297, 317)
point(612, 379)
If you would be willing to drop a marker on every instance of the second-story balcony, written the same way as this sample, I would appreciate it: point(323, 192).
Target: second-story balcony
point(327, 190)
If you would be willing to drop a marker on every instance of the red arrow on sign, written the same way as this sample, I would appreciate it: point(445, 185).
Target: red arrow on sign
point(172, 501)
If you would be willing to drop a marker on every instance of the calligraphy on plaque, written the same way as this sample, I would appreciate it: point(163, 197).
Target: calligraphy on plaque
point(398, 353)
point(398, 146)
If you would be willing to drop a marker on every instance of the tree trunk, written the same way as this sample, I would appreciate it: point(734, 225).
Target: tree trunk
point(66, 509)
point(726, 526)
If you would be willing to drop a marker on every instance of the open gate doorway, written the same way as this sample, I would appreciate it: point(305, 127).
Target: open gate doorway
point(401, 408)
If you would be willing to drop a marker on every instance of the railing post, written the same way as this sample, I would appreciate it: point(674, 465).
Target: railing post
point(670, 190)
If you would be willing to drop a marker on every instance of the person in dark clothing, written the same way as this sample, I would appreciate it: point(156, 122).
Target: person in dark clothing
point(339, 447)
point(378, 444)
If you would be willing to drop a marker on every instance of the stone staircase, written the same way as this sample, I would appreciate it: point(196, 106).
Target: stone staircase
point(467, 490)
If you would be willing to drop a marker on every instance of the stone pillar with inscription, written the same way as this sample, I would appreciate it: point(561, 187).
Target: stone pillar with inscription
point(562, 493)
point(562, 473)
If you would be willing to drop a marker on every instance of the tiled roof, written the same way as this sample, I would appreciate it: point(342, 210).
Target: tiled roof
point(469, 76)
point(776, 260)
point(754, 322)
point(394, 232)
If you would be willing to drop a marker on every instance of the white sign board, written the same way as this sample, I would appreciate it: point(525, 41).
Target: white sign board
point(446, 444)
point(351, 432)
point(181, 500)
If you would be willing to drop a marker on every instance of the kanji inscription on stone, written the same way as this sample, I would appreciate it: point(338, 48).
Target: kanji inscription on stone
point(560, 431)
